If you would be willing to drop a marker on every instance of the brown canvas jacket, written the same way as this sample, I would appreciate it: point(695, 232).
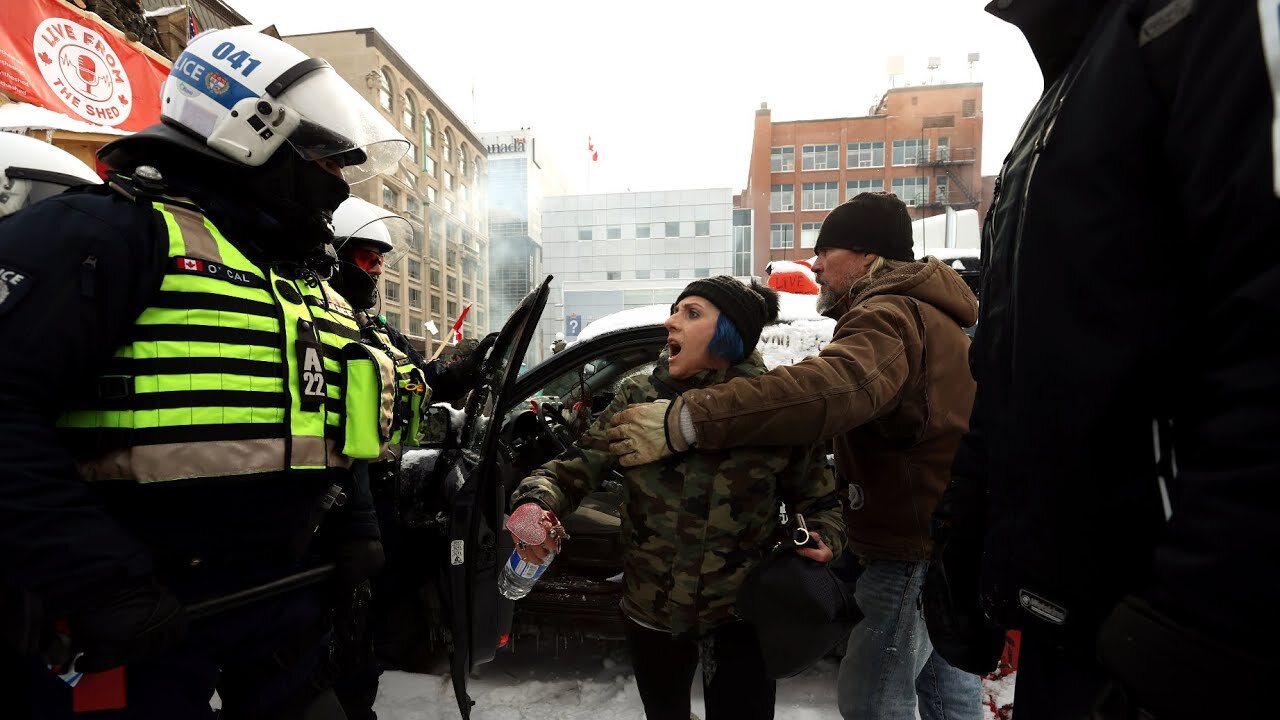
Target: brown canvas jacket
point(892, 390)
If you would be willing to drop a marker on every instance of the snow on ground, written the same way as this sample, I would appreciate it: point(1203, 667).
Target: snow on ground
point(587, 683)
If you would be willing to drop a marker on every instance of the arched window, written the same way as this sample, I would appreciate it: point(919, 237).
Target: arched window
point(446, 152)
point(384, 89)
point(475, 167)
point(462, 160)
point(428, 129)
point(407, 112)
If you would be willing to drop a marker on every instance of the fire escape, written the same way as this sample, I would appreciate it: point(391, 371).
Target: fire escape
point(949, 161)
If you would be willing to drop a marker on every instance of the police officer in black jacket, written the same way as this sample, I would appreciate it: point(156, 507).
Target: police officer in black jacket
point(1126, 430)
point(369, 238)
point(179, 399)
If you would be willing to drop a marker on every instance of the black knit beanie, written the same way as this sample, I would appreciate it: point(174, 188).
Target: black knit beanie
point(875, 223)
point(749, 307)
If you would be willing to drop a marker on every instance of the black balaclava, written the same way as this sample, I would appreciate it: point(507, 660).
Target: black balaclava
point(356, 285)
point(278, 212)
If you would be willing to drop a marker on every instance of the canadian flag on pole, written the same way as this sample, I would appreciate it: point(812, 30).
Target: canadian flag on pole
point(591, 148)
point(457, 326)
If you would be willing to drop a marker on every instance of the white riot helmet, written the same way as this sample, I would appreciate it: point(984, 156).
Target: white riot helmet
point(361, 221)
point(246, 94)
point(32, 170)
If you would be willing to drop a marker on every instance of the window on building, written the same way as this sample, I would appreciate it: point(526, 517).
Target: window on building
point(409, 178)
point(642, 231)
point(428, 129)
point(782, 159)
point(384, 89)
point(448, 204)
point(642, 274)
point(415, 297)
point(613, 275)
point(912, 190)
point(448, 180)
point(969, 108)
point(408, 111)
point(435, 277)
point(742, 241)
point(451, 257)
point(392, 291)
point(782, 198)
point(412, 153)
point(584, 233)
point(944, 149)
point(412, 206)
point(857, 187)
point(466, 291)
point(820, 157)
point(390, 198)
point(673, 229)
point(393, 319)
point(809, 234)
point(781, 236)
point(702, 272)
point(463, 160)
point(910, 152)
point(673, 274)
point(865, 154)
point(453, 310)
point(415, 238)
point(819, 196)
point(428, 165)
point(446, 150)
point(435, 304)
point(415, 269)
point(476, 167)
point(942, 183)
point(613, 232)
point(451, 284)
point(702, 228)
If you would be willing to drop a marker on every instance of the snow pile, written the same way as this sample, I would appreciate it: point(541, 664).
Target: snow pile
point(625, 320)
point(584, 682)
point(789, 343)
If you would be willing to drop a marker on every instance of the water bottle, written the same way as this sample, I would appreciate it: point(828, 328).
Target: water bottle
point(518, 576)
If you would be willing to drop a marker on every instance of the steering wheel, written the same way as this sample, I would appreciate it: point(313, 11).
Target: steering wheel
point(554, 426)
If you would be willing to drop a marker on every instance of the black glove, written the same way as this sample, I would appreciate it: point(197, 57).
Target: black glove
point(357, 560)
point(136, 623)
point(457, 378)
point(958, 628)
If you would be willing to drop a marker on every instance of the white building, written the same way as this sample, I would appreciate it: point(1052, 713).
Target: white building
point(615, 251)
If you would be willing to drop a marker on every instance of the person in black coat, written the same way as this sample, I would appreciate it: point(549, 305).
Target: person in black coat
point(1116, 496)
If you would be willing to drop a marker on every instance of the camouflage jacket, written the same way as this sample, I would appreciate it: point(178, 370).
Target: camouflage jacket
point(692, 525)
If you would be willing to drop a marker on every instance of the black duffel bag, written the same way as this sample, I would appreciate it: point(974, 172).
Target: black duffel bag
point(799, 610)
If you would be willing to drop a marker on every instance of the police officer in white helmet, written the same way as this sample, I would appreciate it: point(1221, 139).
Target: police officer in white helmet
point(182, 396)
point(32, 170)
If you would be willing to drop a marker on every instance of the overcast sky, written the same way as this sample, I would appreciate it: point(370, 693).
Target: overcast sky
point(667, 90)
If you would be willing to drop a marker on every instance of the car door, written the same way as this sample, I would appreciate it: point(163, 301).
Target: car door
point(472, 498)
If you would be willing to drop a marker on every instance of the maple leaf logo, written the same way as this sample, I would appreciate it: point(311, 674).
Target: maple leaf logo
point(44, 58)
point(123, 100)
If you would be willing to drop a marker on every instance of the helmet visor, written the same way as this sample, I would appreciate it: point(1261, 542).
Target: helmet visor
point(337, 123)
point(390, 235)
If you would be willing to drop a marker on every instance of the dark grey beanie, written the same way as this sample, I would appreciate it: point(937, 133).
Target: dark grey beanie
point(749, 307)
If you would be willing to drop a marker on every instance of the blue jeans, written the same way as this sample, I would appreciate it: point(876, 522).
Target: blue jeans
point(889, 665)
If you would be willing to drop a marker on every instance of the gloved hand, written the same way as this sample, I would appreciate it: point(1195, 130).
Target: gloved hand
point(357, 560)
point(647, 432)
point(140, 622)
point(453, 380)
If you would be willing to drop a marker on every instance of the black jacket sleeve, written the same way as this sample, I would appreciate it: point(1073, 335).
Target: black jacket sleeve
point(444, 388)
point(88, 261)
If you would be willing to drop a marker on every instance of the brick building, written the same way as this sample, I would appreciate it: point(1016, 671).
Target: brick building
point(439, 186)
point(921, 143)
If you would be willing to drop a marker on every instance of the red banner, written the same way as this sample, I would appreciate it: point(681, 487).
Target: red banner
point(70, 62)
